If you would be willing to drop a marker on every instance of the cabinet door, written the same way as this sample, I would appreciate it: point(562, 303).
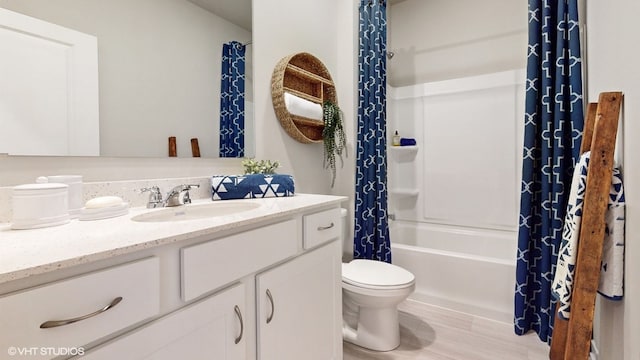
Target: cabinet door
point(300, 307)
point(209, 329)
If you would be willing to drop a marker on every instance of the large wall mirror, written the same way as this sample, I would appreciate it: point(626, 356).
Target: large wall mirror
point(159, 70)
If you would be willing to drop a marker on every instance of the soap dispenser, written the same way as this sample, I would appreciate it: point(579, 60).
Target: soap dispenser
point(396, 139)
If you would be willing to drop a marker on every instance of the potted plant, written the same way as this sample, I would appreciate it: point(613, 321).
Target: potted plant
point(252, 166)
point(333, 137)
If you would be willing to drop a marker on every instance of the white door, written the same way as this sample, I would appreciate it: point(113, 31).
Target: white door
point(209, 329)
point(300, 307)
point(48, 88)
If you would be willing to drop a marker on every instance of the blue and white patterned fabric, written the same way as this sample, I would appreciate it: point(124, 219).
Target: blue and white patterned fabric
point(612, 268)
point(552, 135)
point(232, 100)
point(371, 238)
point(251, 186)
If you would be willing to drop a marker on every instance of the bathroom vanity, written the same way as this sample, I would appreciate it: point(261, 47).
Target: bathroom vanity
point(261, 283)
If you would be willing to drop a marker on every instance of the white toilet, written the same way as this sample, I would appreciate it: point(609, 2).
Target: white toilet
point(371, 292)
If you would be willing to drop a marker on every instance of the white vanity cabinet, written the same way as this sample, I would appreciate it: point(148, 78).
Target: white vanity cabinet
point(269, 288)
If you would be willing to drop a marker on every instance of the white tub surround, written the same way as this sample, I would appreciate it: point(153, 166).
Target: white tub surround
point(240, 279)
point(455, 195)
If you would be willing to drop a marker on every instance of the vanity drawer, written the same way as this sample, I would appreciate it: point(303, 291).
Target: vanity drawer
point(208, 266)
point(24, 313)
point(213, 328)
point(321, 227)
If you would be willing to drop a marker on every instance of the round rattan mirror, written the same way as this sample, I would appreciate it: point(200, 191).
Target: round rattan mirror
point(302, 76)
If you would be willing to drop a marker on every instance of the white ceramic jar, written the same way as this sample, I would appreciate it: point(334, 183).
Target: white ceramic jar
point(40, 205)
point(75, 190)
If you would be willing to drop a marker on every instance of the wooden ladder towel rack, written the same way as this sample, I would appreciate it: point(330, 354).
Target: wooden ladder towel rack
point(572, 339)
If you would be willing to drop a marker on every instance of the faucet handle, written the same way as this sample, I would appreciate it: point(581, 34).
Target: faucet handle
point(153, 190)
point(187, 198)
point(173, 197)
point(155, 196)
point(185, 187)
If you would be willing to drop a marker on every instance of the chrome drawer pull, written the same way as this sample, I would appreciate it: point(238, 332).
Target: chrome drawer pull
point(56, 323)
point(273, 308)
point(320, 228)
point(239, 314)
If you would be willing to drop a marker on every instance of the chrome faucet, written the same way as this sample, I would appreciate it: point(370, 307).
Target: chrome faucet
point(173, 196)
point(155, 197)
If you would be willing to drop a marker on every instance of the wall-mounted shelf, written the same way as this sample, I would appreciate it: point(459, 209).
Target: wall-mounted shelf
point(408, 149)
point(403, 154)
point(404, 192)
point(306, 84)
point(305, 76)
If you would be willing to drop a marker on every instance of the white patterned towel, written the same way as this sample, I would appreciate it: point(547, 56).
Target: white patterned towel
point(611, 272)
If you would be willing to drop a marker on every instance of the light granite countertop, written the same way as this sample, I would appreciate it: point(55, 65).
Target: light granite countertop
point(25, 253)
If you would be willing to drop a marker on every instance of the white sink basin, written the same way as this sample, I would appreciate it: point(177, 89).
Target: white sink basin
point(195, 212)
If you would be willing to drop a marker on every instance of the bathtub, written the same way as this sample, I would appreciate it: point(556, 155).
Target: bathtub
point(464, 269)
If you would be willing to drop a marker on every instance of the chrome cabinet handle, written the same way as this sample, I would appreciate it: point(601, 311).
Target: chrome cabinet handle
point(320, 228)
point(56, 323)
point(273, 308)
point(239, 315)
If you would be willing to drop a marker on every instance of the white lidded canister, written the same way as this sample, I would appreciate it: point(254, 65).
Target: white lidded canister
point(75, 190)
point(40, 205)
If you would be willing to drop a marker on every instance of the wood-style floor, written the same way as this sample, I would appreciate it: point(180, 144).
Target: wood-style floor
point(432, 333)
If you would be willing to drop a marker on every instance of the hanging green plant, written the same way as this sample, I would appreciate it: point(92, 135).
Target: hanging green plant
point(333, 137)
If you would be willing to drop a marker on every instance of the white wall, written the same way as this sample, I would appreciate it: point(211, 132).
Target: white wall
point(612, 66)
point(280, 28)
point(347, 87)
point(159, 69)
point(442, 39)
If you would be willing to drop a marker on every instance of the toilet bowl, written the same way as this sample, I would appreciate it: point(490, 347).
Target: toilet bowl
point(371, 292)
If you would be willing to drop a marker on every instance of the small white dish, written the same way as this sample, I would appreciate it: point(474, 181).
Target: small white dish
point(103, 207)
point(104, 213)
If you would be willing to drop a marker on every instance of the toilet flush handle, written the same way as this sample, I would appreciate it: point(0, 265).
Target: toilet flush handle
point(273, 308)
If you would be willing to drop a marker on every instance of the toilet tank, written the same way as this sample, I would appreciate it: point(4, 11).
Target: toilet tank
point(347, 236)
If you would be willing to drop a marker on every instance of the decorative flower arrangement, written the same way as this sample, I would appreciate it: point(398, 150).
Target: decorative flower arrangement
point(252, 166)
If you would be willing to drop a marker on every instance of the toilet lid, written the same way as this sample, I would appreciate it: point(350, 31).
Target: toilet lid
point(375, 273)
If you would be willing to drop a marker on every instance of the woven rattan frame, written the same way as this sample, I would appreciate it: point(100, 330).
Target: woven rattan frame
point(306, 76)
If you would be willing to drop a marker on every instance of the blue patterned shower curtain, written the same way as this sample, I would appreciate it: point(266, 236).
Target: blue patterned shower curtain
point(371, 238)
point(552, 135)
point(232, 100)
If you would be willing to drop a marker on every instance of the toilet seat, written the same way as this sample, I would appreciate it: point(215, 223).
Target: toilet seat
point(372, 274)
